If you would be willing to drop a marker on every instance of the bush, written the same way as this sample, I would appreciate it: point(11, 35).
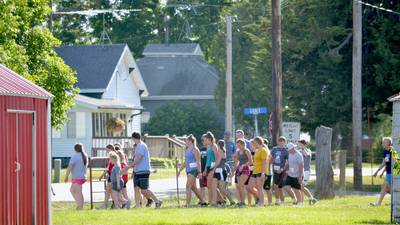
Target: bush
point(163, 163)
point(180, 118)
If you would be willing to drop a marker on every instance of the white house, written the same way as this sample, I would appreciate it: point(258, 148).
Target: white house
point(110, 85)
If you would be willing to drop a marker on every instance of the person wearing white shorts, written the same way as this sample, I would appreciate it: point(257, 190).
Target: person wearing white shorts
point(307, 171)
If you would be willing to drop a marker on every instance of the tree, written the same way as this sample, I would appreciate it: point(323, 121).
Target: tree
point(27, 47)
point(177, 118)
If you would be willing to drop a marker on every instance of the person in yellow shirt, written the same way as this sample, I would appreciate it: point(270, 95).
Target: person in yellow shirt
point(260, 167)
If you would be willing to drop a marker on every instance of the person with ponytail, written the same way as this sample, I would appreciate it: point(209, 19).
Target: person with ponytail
point(193, 168)
point(212, 157)
point(77, 167)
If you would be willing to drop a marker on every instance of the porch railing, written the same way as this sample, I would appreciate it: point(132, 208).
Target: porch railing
point(159, 146)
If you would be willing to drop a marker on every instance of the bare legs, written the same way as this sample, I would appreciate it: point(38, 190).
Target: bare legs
point(191, 186)
point(76, 191)
point(251, 190)
point(259, 186)
point(240, 187)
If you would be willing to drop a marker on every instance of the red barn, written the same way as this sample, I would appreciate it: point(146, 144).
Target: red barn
point(25, 163)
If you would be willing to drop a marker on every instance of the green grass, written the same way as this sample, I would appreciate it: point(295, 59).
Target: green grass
point(367, 184)
point(160, 174)
point(349, 210)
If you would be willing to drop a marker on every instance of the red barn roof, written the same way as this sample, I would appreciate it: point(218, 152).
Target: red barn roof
point(12, 84)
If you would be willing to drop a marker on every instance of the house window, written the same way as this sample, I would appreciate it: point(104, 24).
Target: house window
point(76, 126)
point(99, 124)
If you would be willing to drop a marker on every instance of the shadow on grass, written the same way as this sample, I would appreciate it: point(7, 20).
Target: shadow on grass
point(373, 222)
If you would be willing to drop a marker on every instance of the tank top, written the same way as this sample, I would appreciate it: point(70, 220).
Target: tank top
point(210, 156)
point(190, 160)
point(222, 163)
point(242, 157)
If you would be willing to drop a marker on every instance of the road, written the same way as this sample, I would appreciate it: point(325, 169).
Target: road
point(164, 188)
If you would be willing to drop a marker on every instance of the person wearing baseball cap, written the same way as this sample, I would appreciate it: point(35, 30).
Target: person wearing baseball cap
point(306, 152)
point(294, 178)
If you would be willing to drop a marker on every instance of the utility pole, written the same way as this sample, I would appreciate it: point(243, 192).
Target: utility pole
point(276, 71)
point(357, 86)
point(228, 98)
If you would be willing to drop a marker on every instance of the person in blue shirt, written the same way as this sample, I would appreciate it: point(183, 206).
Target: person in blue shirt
point(230, 148)
point(141, 167)
point(387, 164)
point(240, 135)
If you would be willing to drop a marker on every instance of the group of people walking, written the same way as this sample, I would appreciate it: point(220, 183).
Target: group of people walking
point(251, 165)
point(256, 171)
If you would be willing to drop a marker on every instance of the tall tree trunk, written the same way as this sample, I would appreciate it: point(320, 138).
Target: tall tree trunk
point(325, 185)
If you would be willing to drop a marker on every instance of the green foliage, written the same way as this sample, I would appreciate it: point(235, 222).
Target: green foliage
point(177, 118)
point(162, 163)
point(27, 47)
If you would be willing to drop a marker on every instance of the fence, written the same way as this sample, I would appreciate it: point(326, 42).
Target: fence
point(159, 146)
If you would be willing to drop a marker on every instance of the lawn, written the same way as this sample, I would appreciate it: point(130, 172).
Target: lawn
point(349, 210)
point(159, 174)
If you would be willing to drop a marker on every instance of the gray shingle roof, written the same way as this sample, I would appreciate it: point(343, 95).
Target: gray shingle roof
point(173, 49)
point(94, 64)
point(179, 75)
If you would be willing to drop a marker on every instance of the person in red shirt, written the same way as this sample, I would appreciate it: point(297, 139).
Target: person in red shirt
point(124, 192)
point(110, 165)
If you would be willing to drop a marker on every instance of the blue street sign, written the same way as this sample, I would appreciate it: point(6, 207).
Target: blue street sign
point(255, 111)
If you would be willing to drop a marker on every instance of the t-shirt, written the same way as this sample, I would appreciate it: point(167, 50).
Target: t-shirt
point(260, 155)
point(116, 169)
point(247, 144)
point(78, 167)
point(124, 176)
point(307, 161)
point(144, 164)
point(295, 160)
point(387, 156)
point(230, 150)
point(280, 155)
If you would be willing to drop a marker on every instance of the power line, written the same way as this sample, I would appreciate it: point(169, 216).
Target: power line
point(94, 12)
point(380, 8)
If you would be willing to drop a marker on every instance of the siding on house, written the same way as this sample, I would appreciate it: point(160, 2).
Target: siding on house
point(64, 146)
point(396, 125)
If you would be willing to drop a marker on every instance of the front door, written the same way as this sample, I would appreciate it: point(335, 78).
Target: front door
point(22, 178)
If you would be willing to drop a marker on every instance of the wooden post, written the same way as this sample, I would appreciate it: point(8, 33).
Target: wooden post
point(276, 72)
point(357, 86)
point(324, 186)
point(228, 97)
point(342, 176)
point(91, 185)
point(177, 179)
point(57, 171)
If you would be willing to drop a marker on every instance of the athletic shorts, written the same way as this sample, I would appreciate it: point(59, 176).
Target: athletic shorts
point(279, 179)
point(125, 184)
point(293, 182)
point(388, 178)
point(114, 185)
point(248, 179)
point(141, 181)
point(244, 171)
point(78, 181)
point(203, 181)
point(267, 182)
point(221, 175)
point(193, 172)
point(256, 175)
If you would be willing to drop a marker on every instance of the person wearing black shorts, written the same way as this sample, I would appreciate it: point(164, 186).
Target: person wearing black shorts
point(141, 166)
point(295, 174)
point(278, 159)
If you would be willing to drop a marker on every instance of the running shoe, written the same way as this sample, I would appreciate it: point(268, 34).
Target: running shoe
point(313, 201)
point(149, 202)
point(158, 204)
point(375, 204)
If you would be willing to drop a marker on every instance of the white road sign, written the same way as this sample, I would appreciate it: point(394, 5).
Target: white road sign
point(291, 130)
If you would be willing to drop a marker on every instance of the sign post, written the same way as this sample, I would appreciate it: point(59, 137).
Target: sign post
point(291, 130)
point(255, 112)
